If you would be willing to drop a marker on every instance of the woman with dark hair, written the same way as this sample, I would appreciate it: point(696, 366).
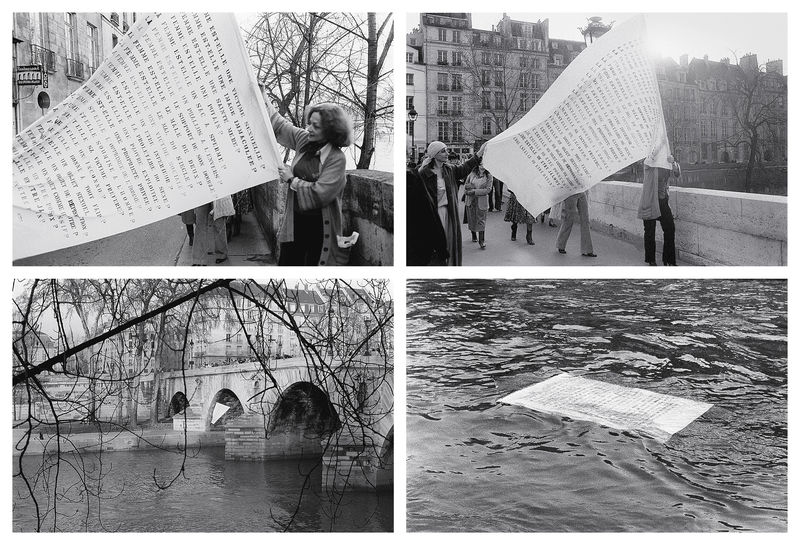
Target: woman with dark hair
point(313, 218)
point(441, 181)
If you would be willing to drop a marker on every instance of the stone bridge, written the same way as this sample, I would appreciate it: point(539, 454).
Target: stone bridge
point(344, 416)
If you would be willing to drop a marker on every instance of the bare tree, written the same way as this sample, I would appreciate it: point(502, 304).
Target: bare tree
point(141, 321)
point(756, 101)
point(327, 57)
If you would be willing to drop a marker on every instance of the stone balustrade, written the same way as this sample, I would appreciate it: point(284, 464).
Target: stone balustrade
point(711, 227)
point(367, 207)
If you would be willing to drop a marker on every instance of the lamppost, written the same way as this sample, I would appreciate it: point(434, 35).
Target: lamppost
point(412, 116)
point(366, 332)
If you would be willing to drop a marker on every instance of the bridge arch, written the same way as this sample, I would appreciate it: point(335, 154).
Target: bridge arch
point(304, 407)
point(385, 475)
point(215, 417)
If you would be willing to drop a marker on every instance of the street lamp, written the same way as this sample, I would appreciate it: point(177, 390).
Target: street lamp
point(366, 332)
point(412, 116)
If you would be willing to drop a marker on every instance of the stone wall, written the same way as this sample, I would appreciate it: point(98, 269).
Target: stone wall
point(119, 440)
point(711, 227)
point(367, 207)
point(246, 439)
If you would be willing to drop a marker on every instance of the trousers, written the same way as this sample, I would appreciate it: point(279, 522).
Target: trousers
point(668, 227)
point(575, 208)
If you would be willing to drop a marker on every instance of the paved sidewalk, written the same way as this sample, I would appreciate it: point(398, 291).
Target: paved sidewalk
point(501, 251)
point(248, 248)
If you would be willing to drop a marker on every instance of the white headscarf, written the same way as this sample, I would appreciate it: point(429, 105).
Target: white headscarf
point(433, 148)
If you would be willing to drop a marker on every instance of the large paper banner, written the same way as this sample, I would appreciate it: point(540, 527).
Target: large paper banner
point(602, 114)
point(172, 120)
point(619, 407)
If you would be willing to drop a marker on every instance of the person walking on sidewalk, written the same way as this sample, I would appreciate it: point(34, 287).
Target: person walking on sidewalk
point(654, 206)
point(188, 220)
point(575, 208)
point(476, 199)
point(516, 213)
point(496, 195)
point(211, 235)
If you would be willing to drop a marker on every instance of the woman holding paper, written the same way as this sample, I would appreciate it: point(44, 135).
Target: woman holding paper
point(312, 223)
point(441, 181)
point(477, 189)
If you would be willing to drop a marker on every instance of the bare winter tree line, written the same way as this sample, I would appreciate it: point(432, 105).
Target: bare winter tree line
point(305, 58)
point(751, 113)
point(128, 330)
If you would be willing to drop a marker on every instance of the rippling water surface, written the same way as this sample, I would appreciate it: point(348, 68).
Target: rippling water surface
point(215, 496)
point(476, 465)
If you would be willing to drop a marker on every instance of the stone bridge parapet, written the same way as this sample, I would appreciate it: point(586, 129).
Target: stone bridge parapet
point(367, 207)
point(711, 227)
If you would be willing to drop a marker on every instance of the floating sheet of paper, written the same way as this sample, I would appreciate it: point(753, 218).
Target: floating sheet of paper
point(620, 407)
point(219, 410)
point(172, 120)
point(602, 114)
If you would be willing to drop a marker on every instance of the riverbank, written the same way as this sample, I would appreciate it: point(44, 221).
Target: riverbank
point(117, 440)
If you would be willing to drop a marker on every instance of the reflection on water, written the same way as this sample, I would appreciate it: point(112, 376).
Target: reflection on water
point(475, 465)
point(214, 496)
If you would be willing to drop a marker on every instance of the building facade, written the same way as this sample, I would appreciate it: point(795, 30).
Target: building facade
point(480, 82)
point(416, 98)
point(713, 109)
point(67, 48)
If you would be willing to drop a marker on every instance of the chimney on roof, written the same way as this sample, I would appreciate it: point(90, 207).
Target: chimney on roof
point(749, 62)
point(705, 58)
point(775, 67)
point(684, 60)
point(725, 60)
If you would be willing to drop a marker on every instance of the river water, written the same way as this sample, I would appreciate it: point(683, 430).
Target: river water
point(215, 496)
point(476, 465)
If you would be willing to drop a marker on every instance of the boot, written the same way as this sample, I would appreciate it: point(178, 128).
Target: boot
point(474, 238)
point(190, 232)
point(481, 241)
point(513, 231)
point(529, 235)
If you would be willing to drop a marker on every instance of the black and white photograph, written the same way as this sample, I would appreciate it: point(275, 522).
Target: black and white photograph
point(660, 137)
point(624, 405)
point(195, 139)
point(147, 405)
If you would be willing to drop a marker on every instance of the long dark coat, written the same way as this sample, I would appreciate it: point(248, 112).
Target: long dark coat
point(453, 175)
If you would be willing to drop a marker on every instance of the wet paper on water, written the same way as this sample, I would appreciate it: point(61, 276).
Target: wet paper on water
point(620, 407)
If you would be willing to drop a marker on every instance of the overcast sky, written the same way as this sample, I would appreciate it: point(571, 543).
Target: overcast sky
point(672, 34)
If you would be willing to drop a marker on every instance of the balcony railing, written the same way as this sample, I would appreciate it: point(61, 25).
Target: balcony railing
point(44, 57)
point(75, 69)
point(442, 87)
point(442, 63)
point(448, 22)
point(115, 19)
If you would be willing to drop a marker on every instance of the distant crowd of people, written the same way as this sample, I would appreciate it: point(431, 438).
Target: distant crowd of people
point(434, 220)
